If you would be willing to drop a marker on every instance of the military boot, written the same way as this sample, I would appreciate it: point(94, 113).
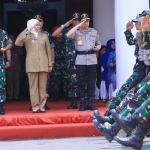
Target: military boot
point(126, 123)
point(73, 104)
point(2, 111)
point(136, 140)
point(109, 132)
point(102, 119)
point(82, 104)
point(90, 104)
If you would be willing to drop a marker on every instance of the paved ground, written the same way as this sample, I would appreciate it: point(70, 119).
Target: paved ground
point(78, 143)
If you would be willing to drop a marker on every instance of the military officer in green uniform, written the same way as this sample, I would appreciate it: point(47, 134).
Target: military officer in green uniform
point(69, 58)
point(5, 46)
point(13, 72)
point(59, 70)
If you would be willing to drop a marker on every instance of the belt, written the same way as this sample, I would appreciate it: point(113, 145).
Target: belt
point(60, 58)
point(141, 63)
point(85, 52)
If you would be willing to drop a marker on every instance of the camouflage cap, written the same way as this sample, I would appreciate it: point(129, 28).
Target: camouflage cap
point(38, 17)
point(84, 16)
point(75, 16)
point(138, 18)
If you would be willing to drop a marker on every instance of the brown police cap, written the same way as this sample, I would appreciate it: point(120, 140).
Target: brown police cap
point(84, 16)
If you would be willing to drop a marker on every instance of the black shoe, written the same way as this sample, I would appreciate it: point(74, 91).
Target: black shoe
point(148, 134)
point(109, 132)
point(135, 141)
point(92, 116)
point(35, 111)
point(90, 104)
point(42, 111)
point(82, 104)
point(126, 123)
point(73, 104)
point(102, 119)
point(99, 129)
point(47, 107)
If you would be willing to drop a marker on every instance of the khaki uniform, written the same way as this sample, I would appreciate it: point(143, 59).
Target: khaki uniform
point(38, 60)
point(13, 73)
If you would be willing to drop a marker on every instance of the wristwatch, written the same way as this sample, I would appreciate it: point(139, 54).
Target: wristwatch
point(9, 61)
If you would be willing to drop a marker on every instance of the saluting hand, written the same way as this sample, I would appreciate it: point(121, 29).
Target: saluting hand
point(27, 31)
point(145, 24)
point(129, 25)
point(68, 23)
point(80, 24)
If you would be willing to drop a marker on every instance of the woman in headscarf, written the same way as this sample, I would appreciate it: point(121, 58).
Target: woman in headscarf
point(104, 60)
point(38, 62)
point(112, 65)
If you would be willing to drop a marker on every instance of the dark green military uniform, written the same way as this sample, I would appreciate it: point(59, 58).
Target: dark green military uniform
point(4, 41)
point(13, 73)
point(137, 76)
point(70, 64)
point(59, 70)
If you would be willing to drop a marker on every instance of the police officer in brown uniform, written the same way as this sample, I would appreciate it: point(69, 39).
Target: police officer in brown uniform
point(13, 72)
point(87, 43)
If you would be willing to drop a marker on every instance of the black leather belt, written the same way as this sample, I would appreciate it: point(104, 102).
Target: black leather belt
point(85, 52)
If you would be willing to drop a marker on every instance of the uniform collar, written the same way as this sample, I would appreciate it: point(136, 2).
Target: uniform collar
point(89, 29)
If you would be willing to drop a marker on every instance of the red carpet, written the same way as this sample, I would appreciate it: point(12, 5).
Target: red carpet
point(20, 123)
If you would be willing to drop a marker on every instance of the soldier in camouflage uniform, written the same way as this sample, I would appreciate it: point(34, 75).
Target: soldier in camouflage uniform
point(60, 68)
point(5, 45)
point(70, 58)
point(139, 68)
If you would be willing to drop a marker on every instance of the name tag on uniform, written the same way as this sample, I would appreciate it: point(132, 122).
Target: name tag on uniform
point(92, 34)
point(31, 39)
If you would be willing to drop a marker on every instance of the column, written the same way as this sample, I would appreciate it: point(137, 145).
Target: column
point(125, 10)
point(103, 19)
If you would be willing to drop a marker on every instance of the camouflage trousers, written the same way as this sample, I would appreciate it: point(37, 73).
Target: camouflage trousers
point(144, 110)
point(67, 72)
point(132, 81)
point(135, 99)
point(71, 78)
point(2, 80)
point(55, 77)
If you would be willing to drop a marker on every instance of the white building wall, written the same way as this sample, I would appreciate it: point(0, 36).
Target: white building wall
point(125, 10)
point(103, 19)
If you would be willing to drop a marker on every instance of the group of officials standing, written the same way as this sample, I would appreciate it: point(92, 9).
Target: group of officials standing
point(71, 51)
